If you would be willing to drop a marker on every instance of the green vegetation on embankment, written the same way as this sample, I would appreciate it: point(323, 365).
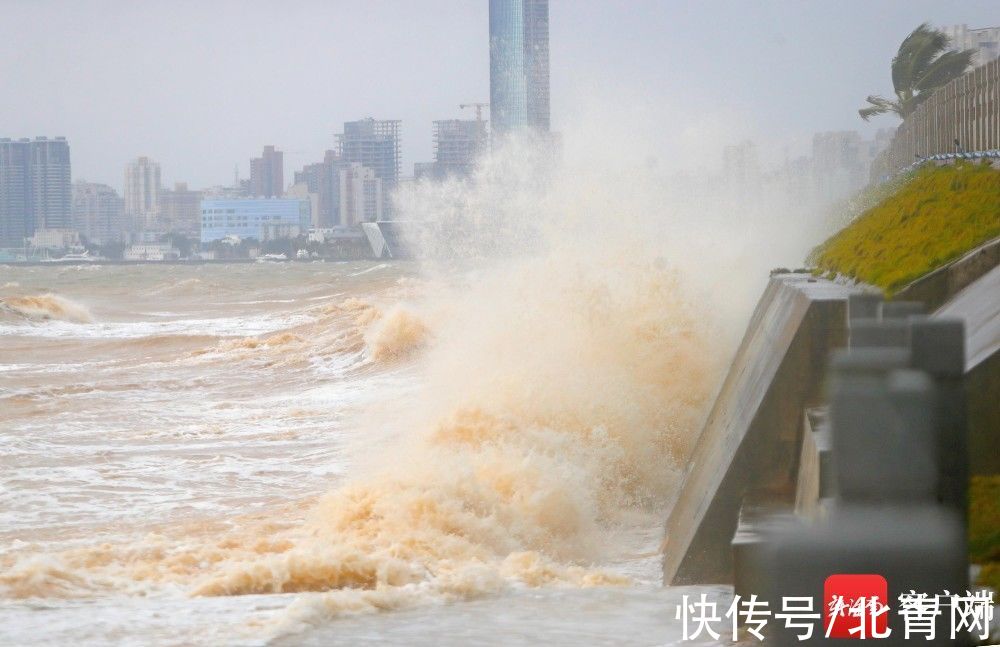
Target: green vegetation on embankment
point(933, 218)
point(917, 225)
point(984, 527)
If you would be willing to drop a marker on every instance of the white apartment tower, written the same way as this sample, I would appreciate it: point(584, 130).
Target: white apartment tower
point(142, 194)
point(360, 195)
point(986, 41)
point(97, 213)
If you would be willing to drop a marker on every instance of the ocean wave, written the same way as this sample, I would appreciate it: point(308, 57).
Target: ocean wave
point(396, 335)
point(349, 327)
point(44, 307)
point(552, 414)
point(181, 286)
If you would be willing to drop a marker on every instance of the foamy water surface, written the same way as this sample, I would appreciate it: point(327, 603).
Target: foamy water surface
point(340, 453)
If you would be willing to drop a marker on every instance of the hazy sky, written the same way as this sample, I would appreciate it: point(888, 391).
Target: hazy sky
point(201, 86)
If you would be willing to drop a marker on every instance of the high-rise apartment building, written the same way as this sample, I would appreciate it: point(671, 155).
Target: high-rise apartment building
point(35, 191)
point(98, 213)
point(16, 220)
point(142, 195)
point(323, 180)
point(425, 171)
point(986, 41)
point(51, 177)
point(374, 143)
point(741, 164)
point(360, 195)
point(179, 210)
point(841, 161)
point(519, 65)
point(457, 145)
point(267, 174)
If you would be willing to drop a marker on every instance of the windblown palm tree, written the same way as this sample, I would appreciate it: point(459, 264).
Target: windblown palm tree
point(923, 63)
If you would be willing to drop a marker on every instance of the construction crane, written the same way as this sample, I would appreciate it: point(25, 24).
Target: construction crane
point(478, 106)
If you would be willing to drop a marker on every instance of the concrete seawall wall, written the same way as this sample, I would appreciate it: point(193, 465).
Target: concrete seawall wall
point(766, 460)
point(941, 285)
point(979, 306)
point(751, 438)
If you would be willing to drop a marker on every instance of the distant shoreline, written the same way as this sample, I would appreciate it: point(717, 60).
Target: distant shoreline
point(181, 262)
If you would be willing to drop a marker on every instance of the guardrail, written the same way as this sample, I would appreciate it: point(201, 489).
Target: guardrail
point(886, 492)
point(993, 154)
point(962, 115)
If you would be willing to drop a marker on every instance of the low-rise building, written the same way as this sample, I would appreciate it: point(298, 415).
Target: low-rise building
point(179, 210)
point(151, 252)
point(300, 191)
point(253, 218)
point(55, 239)
point(341, 232)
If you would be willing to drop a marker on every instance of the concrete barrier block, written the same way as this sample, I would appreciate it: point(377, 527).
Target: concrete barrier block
point(938, 346)
point(885, 437)
point(816, 479)
point(900, 309)
point(867, 333)
point(863, 305)
point(915, 547)
point(759, 518)
point(872, 362)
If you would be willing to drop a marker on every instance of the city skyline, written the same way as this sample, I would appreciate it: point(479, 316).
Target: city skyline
point(300, 112)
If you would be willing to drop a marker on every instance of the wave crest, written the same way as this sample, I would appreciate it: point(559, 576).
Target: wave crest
point(43, 307)
point(396, 335)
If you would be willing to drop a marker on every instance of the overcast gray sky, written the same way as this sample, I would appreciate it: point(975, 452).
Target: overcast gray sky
point(201, 86)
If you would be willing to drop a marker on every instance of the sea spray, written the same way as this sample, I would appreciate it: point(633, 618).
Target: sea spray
point(43, 307)
point(563, 387)
point(535, 433)
point(567, 338)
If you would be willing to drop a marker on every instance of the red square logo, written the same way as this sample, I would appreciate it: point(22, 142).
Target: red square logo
point(856, 606)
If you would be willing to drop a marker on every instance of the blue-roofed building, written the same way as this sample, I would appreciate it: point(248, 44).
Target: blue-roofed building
point(262, 219)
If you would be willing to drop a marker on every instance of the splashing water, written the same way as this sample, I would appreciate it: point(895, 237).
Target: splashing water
point(46, 306)
point(557, 389)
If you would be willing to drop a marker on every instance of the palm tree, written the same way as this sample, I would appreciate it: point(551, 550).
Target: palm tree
point(923, 63)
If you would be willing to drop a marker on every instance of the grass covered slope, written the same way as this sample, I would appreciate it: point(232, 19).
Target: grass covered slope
point(940, 213)
point(984, 527)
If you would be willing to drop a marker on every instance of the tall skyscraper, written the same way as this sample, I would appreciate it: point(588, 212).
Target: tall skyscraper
point(51, 177)
point(142, 194)
point(267, 174)
point(98, 213)
point(34, 188)
point(16, 221)
point(519, 65)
